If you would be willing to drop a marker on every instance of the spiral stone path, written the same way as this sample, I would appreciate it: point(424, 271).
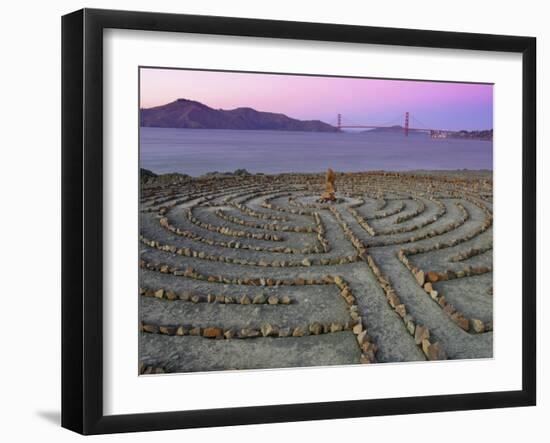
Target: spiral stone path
point(252, 271)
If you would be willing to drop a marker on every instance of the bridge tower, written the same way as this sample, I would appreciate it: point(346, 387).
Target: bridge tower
point(406, 128)
point(339, 122)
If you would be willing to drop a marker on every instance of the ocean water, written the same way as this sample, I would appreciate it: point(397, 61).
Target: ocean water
point(198, 151)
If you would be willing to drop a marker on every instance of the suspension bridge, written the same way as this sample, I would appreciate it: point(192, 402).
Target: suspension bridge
point(406, 120)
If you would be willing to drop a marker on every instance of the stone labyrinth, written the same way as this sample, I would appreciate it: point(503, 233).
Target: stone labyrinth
point(252, 271)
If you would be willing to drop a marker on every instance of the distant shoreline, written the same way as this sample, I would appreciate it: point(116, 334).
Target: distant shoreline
point(384, 131)
point(148, 174)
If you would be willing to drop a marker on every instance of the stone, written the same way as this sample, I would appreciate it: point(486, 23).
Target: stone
point(186, 295)
point(401, 310)
point(212, 332)
point(159, 293)
point(152, 329)
point(357, 329)
point(409, 324)
point(244, 300)
point(284, 332)
point(268, 330)
point(306, 262)
point(298, 332)
point(259, 299)
point(421, 333)
point(435, 352)
point(273, 300)
point(477, 325)
point(367, 358)
point(181, 331)
point(346, 293)
point(195, 298)
point(167, 330)
point(210, 298)
point(428, 287)
point(426, 346)
point(315, 328)
point(195, 331)
point(461, 321)
point(420, 278)
point(335, 327)
point(285, 300)
point(362, 337)
point(449, 309)
point(251, 333)
point(433, 276)
point(229, 334)
point(393, 300)
point(369, 346)
point(171, 295)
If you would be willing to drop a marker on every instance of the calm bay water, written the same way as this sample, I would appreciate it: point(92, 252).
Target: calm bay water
point(197, 151)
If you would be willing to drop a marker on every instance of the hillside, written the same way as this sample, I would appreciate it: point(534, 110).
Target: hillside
point(184, 113)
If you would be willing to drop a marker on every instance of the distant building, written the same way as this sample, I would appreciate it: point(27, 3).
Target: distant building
point(438, 134)
point(471, 135)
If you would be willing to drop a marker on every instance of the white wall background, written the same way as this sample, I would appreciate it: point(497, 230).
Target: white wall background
point(30, 223)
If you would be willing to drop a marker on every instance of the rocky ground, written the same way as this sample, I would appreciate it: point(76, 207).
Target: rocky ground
point(252, 271)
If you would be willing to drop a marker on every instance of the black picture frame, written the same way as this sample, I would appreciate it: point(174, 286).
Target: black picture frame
point(82, 218)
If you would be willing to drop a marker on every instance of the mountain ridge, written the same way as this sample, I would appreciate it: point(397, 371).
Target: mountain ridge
point(184, 113)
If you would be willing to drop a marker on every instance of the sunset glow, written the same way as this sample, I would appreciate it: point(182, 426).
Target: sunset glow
point(444, 105)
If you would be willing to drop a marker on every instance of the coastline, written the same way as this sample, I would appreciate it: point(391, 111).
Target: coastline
point(150, 176)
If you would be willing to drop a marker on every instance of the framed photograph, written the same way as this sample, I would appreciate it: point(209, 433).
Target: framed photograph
point(269, 221)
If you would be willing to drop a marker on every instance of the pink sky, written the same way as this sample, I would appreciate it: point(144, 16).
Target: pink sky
point(373, 101)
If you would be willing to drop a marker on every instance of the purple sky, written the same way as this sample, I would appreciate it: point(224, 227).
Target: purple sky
point(364, 101)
